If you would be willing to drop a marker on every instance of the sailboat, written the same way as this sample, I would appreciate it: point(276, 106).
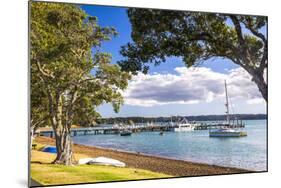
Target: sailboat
point(226, 131)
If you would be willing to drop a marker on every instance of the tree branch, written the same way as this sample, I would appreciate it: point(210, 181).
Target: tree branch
point(37, 123)
point(202, 36)
point(238, 29)
point(259, 35)
point(263, 63)
point(254, 32)
point(41, 70)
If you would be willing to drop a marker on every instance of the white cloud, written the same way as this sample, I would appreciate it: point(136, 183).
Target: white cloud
point(189, 86)
point(256, 101)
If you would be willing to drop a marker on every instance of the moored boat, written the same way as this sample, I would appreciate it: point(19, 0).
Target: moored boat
point(227, 131)
point(184, 126)
point(125, 133)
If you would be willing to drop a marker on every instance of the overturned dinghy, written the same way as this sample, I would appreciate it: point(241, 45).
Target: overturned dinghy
point(49, 149)
point(102, 161)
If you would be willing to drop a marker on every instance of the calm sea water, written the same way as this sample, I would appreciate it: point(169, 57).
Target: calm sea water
point(245, 152)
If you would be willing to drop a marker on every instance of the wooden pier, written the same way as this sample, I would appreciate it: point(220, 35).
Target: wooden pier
point(133, 128)
point(110, 130)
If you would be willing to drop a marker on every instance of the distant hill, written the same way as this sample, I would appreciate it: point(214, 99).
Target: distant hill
point(175, 118)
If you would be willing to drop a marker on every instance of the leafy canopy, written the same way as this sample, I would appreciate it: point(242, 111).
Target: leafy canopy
point(196, 37)
point(68, 71)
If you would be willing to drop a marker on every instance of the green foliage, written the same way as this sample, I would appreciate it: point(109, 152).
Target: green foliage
point(70, 77)
point(196, 37)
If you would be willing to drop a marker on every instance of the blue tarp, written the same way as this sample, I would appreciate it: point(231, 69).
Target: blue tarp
point(50, 149)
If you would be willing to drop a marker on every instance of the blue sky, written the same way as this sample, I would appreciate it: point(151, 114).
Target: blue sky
point(217, 68)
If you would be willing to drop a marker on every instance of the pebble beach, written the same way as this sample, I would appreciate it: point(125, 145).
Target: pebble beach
point(153, 163)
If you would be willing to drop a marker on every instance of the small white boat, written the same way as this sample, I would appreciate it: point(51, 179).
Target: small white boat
point(101, 161)
point(184, 126)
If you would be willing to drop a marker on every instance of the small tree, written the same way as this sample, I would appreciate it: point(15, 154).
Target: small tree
point(74, 77)
point(197, 37)
point(38, 104)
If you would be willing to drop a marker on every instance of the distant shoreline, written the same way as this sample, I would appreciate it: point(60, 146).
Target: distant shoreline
point(153, 163)
point(140, 119)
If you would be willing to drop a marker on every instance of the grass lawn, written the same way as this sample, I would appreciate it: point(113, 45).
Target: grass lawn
point(46, 173)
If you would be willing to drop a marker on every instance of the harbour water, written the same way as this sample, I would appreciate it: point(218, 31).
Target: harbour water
point(248, 152)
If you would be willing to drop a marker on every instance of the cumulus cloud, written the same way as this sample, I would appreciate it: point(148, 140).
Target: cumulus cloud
point(188, 86)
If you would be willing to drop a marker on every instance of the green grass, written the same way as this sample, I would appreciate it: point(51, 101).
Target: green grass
point(39, 146)
point(52, 174)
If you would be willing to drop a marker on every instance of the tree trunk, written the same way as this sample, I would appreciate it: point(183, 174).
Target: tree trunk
point(262, 85)
point(258, 76)
point(62, 135)
point(64, 148)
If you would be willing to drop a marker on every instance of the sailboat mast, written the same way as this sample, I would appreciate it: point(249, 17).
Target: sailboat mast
point(226, 103)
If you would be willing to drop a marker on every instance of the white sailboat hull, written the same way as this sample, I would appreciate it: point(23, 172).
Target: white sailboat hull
point(227, 133)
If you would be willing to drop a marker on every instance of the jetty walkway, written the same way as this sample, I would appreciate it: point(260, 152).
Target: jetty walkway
point(114, 129)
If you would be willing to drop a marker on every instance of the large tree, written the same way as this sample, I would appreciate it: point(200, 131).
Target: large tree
point(196, 37)
point(70, 76)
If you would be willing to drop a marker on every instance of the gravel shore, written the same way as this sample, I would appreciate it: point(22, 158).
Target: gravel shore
point(156, 164)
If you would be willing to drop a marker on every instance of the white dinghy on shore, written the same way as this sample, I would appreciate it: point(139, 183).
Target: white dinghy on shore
point(102, 161)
